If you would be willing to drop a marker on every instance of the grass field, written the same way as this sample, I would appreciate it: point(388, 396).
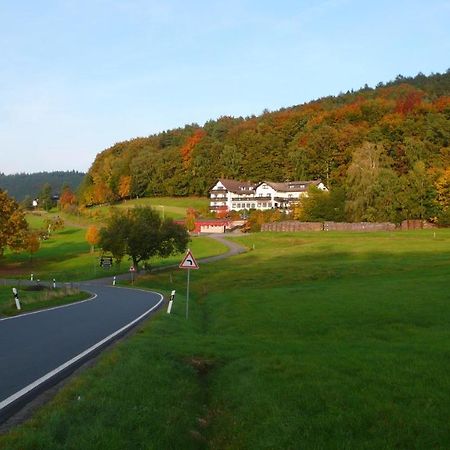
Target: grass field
point(173, 207)
point(66, 256)
point(309, 340)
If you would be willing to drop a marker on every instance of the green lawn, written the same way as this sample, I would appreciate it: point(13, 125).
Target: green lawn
point(36, 219)
point(173, 207)
point(311, 340)
point(66, 256)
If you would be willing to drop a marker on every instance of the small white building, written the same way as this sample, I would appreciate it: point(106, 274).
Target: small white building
point(231, 195)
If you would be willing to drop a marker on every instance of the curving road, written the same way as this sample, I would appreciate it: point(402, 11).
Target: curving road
point(38, 349)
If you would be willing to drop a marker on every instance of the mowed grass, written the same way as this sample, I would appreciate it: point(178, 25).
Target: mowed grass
point(170, 207)
point(314, 341)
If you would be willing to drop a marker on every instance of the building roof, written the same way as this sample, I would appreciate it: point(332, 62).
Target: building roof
point(292, 186)
point(246, 187)
point(238, 187)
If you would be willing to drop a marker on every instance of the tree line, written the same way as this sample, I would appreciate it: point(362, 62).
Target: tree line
point(28, 186)
point(384, 151)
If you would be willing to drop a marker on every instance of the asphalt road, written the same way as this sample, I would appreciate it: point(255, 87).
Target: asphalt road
point(39, 348)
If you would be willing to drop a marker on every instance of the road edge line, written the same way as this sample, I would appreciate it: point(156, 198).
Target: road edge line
point(27, 389)
point(18, 316)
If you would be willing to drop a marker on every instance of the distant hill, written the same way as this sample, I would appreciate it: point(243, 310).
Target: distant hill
point(387, 149)
point(21, 185)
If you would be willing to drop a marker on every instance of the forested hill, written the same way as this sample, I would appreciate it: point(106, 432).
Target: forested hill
point(23, 185)
point(378, 145)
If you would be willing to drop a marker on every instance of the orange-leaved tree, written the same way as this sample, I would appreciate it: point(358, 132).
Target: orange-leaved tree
point(13, 226)
point(67, 199)
point(191, 215)
point(125, 186)
point(92, 236)
point(189, 146)
point(32, 243)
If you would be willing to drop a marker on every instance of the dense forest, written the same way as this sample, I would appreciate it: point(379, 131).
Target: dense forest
point(22, 185)
point(385, 150)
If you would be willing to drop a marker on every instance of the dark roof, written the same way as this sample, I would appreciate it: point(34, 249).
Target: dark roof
point(292, 186)
point(238, 186)
point(246, 187)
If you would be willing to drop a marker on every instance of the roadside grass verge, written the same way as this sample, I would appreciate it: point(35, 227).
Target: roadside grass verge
point(33, 300)
point(314, 340)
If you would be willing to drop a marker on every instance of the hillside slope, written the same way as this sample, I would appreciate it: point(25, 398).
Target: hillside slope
point(388, 148)
point(21, 185)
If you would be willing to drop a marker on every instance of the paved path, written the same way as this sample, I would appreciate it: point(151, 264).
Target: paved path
point(233, 249)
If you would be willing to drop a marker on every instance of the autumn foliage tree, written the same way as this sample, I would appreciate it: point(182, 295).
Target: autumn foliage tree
point(67, 199)
point(92, 236)
point(13, 226)
point(53, 224)
point(407, 118)
point(32, 243)
point(191, 216)
point(188, 147)
point(125, 186)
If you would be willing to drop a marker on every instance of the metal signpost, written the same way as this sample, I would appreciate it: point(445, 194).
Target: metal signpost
point(188, 263)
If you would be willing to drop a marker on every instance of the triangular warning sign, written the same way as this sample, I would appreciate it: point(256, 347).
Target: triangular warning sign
point(188, 262)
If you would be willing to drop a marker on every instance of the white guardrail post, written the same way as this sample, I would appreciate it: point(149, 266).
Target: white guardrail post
point(172, 298)
point(16, 298)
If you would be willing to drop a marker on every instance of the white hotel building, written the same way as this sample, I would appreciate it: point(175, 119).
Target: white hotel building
point(238, 195)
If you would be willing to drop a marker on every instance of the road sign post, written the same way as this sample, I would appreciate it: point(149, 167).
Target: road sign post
point(188, 263)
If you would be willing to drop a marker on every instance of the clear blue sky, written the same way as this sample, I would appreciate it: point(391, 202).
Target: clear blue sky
point(76, 76)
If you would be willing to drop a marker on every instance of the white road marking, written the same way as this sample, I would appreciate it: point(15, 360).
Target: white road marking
point(49, 309)
point(67, 364)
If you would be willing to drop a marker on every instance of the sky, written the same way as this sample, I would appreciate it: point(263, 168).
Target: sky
point(77, 76)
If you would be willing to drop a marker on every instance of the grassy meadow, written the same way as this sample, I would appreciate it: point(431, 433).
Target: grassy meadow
point(308, 340)
point(172, 207)
point(66, 255)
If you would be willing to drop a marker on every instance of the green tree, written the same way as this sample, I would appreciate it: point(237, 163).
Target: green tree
point(322, 205)
point(420, 193)
point(45, 197)
point(142, 234)
point(362, 176)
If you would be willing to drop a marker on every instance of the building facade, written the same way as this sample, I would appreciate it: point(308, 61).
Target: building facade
point(232, 195)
